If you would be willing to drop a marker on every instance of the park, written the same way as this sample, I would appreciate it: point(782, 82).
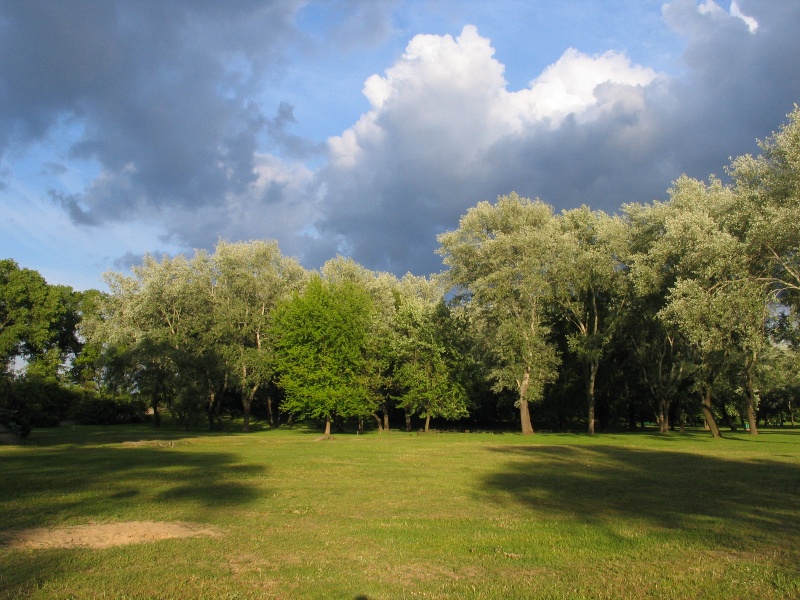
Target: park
point(595, 406)
point(285, 514)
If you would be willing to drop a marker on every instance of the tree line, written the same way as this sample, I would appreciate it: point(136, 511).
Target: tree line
point(674, 312)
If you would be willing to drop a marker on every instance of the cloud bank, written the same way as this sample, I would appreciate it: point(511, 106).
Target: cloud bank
point(164, 110)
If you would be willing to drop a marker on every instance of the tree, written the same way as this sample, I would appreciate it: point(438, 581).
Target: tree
point(659, 348)
point(767, 189)
point(382, 289)
point(155, 331)
point(38, 336)
point(591, 288)
point(713, 298)
point(426, 359)
point(249, 281)
point(321, 335)
point(501, 260)
point(38, 321)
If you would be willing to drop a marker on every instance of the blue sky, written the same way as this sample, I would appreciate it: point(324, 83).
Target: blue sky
point(360, 127)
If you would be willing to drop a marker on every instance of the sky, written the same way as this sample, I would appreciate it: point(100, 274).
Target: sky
point(361, 128)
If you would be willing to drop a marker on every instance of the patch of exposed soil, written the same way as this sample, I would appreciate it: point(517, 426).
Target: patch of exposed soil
point(154, 444)
point(106, 535)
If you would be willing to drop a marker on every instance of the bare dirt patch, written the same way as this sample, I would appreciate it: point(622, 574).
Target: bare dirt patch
point(106, 535)
point(154, 444)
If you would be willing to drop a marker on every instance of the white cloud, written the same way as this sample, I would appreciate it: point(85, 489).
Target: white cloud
point(428, 146)
point(711, 8)
point(751, 23)
point(570, 85)
point(453, 90)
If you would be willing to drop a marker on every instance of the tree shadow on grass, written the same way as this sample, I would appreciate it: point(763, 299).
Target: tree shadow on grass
point(72, 485)
point(52, 485)
point(740, 503)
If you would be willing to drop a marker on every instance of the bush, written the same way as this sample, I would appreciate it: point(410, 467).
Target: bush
point(47, 401)
point(13, 413)
point(92, 409)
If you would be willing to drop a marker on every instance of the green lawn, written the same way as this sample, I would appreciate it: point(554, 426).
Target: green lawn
point(405, 515)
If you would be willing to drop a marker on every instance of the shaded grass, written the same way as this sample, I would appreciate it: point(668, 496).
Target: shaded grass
point(399, 515)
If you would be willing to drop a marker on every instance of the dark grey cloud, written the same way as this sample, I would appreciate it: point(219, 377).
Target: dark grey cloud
point(164, 93)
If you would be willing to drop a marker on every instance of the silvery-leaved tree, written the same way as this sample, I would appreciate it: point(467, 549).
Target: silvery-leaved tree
point(501, 261)
point(249, 281)
point(591, 288)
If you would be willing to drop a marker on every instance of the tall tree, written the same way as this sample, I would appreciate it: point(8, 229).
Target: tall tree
point(501, 260)
point(713, 299)
point(321, 337)
point(659, 348)
point(155, 327)
point(382, 289)
point(38, 321)
point(250, 280)
point(426, 360)
point(767, 191)
point(591, 288)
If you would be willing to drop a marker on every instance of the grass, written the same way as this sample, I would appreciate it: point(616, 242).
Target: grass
point(410, 516)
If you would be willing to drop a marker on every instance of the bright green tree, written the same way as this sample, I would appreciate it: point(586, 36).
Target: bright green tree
point(38, 321)
point(321, 338)
point(382, 289)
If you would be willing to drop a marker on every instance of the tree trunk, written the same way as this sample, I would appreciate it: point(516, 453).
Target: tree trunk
point(245, 413)
point(751, 417)
point(385, 418)
point(593, 368)
point(269, 412)
point(360, 425)
point(751, 397)
point(663, 415)
point(156, 416)
point(408, 421)
point(705, 404)
point(524, 411)
point(631, 416)
point(727, 418)
point(427, 423)
point(212, 400)
point(378, 421)
point(327, 427)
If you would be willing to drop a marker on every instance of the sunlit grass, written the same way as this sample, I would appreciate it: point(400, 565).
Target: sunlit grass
point(407, 515)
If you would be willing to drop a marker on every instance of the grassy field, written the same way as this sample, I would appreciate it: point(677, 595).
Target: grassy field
point(403, 515)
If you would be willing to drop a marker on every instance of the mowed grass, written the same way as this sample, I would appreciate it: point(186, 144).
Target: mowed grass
point(409, 516)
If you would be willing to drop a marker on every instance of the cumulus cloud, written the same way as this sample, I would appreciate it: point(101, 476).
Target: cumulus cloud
point(437, 136)
point(444, 131)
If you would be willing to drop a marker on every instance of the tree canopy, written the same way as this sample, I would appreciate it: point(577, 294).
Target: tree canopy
point(683, 311)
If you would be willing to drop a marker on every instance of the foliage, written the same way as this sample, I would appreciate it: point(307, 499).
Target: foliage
point(678, 310)
point(37, 321)
point(321, 338)
point(501, 259)
point(427, 357)
point(92, 409)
